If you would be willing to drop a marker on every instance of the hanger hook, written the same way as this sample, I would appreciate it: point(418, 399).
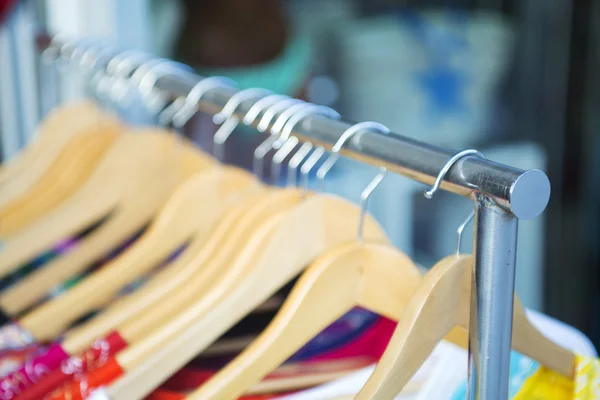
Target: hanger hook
point(83, 47)
point(347, 135)
point(68, 43)
point(438, 181)
point(364, 200)
point(255, 111)
point(300, 111)
point(260, 105)
point(263, 149)
point(91, 54)
point(52, 52)
point(295, 162)
point(147, 75)
point(460, 230)
point(190, 102)
point(226, 118)
point(234, 102)
point(308, 165)
point(273, 109)
point(121, 67)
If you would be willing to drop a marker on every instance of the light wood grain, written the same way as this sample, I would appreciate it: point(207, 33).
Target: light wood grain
point(193, 210)
point(208, 273)
point(71, 169)
point(163, 283)
point(281, 249)
point(127, 219)
point(56, 130)
point(439, 304)
point(373, 276)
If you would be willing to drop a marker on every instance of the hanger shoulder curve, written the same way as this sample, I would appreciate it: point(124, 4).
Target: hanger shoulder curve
point(55, 131)
point(161, 285)
point(303, 233)
point(373, 276)
point(71, 169)
point(212, 269)
point(180, 218)
point(439, 305)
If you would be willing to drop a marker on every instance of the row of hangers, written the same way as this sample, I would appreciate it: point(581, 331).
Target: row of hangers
point(242, 240)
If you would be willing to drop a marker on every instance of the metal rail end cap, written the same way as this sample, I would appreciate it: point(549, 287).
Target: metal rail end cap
point(529, 194)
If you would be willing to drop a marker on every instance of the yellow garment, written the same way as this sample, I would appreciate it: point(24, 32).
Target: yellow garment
point(587, 379)
point(549, 385)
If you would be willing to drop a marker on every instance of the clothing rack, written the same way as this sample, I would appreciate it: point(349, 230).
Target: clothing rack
point(501, 194)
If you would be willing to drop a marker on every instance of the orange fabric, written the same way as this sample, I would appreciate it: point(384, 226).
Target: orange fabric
point(82, 386)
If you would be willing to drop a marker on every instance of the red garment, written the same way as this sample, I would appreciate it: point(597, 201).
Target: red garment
point(5, 6)
point(91, 359)
point(166, 395)
point(369, 345)
point(81, 388)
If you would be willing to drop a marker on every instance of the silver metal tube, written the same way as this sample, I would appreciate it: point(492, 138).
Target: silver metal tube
point(522, 193)
point(492, 298)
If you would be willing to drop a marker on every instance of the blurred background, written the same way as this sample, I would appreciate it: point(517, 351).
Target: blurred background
point(516, 79)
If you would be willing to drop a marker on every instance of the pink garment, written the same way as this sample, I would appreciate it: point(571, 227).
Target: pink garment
point(31, 371)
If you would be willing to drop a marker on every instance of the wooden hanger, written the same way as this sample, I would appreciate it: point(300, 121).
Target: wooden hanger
point(373, 276)
point(163, 283)
point(55, 131)
point(193, 273)
point(174, 290)
point(139, 168)
point(194, 210)
point(208, 272)
point(129, 217)
point(71, 169)
point(441, 303)
point(278, 252)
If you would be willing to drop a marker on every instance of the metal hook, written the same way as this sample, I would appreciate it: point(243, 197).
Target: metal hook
point(190, 102)
point(83, 48)
point(260, 105)
point(438, 181)
point(270, 113)
point(228, 121)
point(67, 43)
point(121, 67)
point(147, 74)
point(52, 52)
point(460, 230)
point(295, 162)
point(289, 143)
point(286, 115)
point(90, 56)
point(364, 199)
point(237, 99)
point(261, 151)
point(309, 165)
point(347, 135)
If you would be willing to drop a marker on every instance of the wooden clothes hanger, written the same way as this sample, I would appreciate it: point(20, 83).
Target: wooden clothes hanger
point(162, 284)
point(126, 219)
point(170, 291)
point(69, 171)
point(193, 211)
point(138, 185)
point(295, 239)
point(54, 132)
point(373, 276)
point(441, 303)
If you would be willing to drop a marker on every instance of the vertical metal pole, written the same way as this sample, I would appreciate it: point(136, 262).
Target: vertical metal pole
point(492, 297)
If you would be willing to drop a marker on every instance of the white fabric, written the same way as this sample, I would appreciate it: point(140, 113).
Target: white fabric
point(446, 368)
